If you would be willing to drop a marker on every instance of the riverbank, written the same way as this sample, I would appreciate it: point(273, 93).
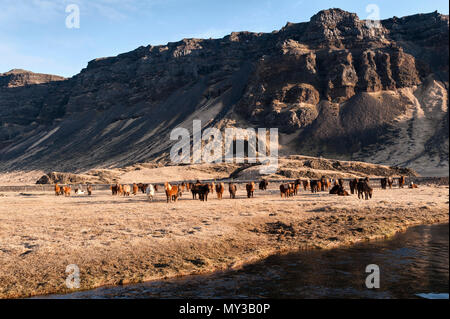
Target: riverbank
point(413, 265)
point(129, 240)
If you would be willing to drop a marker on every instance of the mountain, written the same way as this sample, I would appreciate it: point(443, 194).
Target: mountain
point(18, 77)
point(334, 86)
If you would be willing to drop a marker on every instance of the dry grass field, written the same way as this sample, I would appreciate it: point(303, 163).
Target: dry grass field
point(119, 240)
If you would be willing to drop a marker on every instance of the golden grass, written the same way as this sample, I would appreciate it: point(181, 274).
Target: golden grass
point(117, 240)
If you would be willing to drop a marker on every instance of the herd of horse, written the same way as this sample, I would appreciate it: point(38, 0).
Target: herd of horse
point(202, 190)
point(67, 190)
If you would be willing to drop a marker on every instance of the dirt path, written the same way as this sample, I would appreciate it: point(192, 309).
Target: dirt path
point(127, 240)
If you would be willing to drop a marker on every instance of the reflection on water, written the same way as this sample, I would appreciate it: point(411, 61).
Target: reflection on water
point(412, 264)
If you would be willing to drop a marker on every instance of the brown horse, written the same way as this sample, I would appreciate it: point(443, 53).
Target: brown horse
point(364, 190)
point(383, 182)
point(220, 188)
point(335, 189)
point(114, 189)
point(67, 190)
point(232, 188)
point(353, 183)
point(413, 185)
point(315, 186)
point(324, 183)
point(339, 190)
point(291, 189)
point(250, 187)
point(57, 189)
point(296, 188)
point(390, 181)
point(126, 190)
point(142, 187)
point(401, 181)
point(305, 184)
point(211, 187)
point(171, 192)
point(135, 189)
point(285, 190)
point(263, 185)
point(195, 189)
point(203, 191)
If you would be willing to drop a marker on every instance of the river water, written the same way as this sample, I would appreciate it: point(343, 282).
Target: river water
point(413, 264)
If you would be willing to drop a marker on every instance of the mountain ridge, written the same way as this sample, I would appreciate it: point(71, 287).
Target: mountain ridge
point(19, 77)
point(333, 86)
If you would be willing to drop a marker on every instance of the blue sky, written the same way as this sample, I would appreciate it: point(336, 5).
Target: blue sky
point(34, 36)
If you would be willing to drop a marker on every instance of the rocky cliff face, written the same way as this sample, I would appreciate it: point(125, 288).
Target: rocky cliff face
point(18, 77)
point(334, 86)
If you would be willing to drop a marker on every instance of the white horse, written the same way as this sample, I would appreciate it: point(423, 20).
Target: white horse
point(150, 191)
point(79, 190)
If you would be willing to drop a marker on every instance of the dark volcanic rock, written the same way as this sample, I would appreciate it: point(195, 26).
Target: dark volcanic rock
point(61, 178)
point(17, 77)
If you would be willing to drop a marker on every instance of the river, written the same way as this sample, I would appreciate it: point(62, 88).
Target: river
point(413, 264)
